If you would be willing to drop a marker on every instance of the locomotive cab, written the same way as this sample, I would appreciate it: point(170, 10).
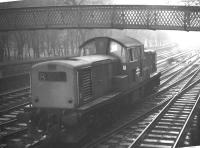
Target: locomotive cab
point(129, 51)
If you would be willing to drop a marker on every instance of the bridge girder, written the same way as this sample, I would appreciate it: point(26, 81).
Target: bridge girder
point(101, 16)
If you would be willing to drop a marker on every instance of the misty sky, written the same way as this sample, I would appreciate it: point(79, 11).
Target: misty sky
point(2, 1)
point(140, 2)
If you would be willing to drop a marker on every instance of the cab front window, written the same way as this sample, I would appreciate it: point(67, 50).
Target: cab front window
point(117, 50)
point(89, 49)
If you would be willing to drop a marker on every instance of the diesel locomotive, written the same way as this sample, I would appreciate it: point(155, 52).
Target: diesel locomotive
point(73, 95)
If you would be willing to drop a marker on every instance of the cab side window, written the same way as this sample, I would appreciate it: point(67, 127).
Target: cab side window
point(134, 53)
point(118, 50)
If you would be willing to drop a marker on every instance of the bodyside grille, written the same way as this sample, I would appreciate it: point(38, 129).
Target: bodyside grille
point(85, 85)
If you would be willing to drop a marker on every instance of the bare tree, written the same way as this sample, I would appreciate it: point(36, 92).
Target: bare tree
point(20, 41)
point(35, 41)
point(4, 46)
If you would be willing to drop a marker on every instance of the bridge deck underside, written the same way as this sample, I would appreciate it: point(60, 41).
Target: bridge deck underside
point(101, 16)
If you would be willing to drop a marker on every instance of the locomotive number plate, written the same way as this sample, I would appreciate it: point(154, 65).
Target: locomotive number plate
point(52, 76)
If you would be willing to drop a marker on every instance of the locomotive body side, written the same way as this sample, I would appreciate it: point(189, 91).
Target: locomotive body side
point(96, 80)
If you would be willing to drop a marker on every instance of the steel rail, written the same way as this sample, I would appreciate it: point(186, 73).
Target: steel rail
point(13, 91)
point(190, 116)
point(141, 137)
point(177, 74)
point(172, 67)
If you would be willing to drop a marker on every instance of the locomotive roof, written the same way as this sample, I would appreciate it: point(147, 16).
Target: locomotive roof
point(125, 41)
point(78, 62)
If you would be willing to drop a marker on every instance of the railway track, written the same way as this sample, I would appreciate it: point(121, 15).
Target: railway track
point(182, 57)
point(168, 127)
point(176, 67)
point(127, 133)
point(14, 99)
point(12, 104)
point(168, 68)
point(12, 131)
point(161, 54)
point(180, 72)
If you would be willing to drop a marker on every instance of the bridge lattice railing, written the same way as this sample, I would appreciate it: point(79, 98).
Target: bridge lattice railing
point(101, 16)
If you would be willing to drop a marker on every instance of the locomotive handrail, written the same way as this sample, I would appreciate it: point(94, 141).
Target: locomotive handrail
point(101, 16)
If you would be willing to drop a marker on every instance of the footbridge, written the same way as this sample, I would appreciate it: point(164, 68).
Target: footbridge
point(101, 16)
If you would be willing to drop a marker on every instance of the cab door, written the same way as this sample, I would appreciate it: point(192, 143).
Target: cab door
point(134, 64)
